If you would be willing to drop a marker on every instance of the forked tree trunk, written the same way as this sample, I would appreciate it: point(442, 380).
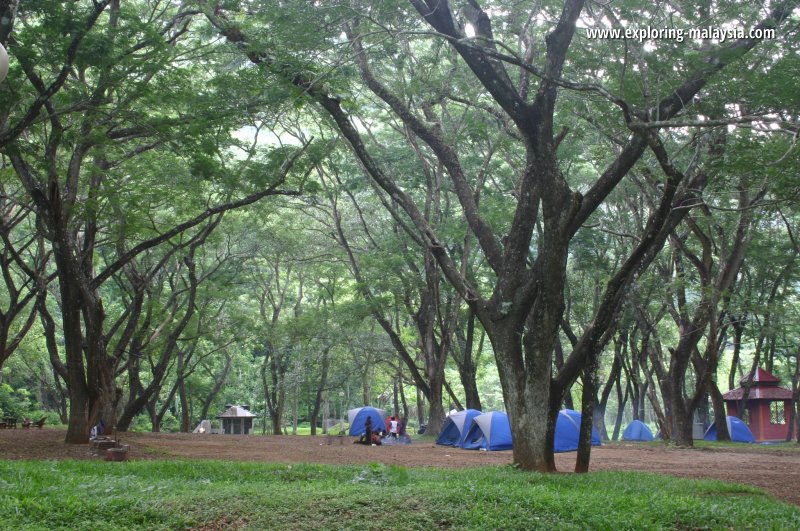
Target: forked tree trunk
point(533, 448)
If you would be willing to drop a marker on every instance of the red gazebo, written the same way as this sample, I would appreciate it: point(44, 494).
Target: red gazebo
point(768, 406)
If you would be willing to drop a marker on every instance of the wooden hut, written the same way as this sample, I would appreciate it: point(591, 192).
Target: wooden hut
point(237, 420)
point(767, 409)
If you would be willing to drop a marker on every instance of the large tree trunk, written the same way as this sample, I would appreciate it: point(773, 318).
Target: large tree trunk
point(682, 412)
point(682, 428)
point(274, 393)
point(92, 390)
point(533, 449)
point(323, 382)
point(622, 399)
point(588, 398)
point(403, 400)
point(599, 415)
point(719, 411)
point(185, 423)
point(420, 408)
point(436, 411)
point(395, 397)
point(467, 370)
point(219, 382)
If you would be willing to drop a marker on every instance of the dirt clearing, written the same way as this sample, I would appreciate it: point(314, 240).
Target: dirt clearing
point(775, 470)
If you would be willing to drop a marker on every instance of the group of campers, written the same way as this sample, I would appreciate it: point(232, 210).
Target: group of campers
point(394, 429)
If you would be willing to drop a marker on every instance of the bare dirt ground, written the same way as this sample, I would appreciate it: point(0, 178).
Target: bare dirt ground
point(777, 471)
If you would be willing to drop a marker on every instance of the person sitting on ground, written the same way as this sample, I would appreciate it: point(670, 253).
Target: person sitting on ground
point(97, 430)
point(367, 437)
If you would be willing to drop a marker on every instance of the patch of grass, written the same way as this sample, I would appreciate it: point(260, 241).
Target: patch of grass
point(758, 447)
point(728, 446)
point(186, 493)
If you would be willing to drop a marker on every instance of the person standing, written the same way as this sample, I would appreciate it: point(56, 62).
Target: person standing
point(393, 428)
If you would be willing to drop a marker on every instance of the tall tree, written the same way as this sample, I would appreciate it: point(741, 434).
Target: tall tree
point(74, 158)
point(522, 308)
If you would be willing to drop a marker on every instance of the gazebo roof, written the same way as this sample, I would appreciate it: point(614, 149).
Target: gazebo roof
point(761, 377)
point(764, 387)
point(759, 393)
point(236, 412)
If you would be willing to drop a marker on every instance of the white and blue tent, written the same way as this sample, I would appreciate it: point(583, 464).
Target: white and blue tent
point(456, 427)
point(489, 431)
point(358, 418)
point(736, 427)
point(637, 431)
point(568, 429)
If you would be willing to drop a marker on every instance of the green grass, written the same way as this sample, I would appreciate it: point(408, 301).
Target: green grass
point(184, 494)
point(728, 446)
point(780, 446)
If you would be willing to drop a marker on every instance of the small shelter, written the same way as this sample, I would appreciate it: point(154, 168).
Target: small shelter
point(768, 406)
point(737, 429)
point(637, 431)
point(237, 420)
point(358, 418)
point(489, 431)
point(456, 426)
point(568, 431)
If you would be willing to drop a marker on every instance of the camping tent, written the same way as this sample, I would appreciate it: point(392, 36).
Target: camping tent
point(358, 416)
point(456, 426)
point(637, 431)
point(489, 431)
point(736, 427)
point(568, 429)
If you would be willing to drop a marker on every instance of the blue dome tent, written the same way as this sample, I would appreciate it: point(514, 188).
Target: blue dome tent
point(489, 431)
point(736, 427)
point(568, 429)
point(456, 427)
point(637, 431)
point(358, 417)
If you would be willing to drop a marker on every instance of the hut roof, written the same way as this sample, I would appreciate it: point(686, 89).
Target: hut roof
point(764, 387)
point(236, 412)
point(762, 393)
point(761, 377)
